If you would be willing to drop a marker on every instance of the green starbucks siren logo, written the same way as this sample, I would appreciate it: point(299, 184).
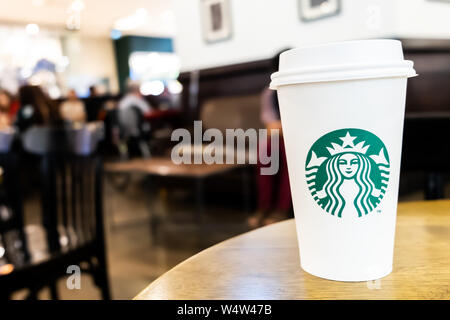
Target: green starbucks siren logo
point(347, 172)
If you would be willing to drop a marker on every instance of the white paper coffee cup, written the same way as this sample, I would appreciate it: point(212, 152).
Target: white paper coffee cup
point(342, 110)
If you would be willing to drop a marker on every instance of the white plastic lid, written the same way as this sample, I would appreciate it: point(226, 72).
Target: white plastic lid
point(349, 60)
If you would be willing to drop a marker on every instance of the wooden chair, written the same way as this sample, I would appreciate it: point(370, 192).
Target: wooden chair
point(72, 213)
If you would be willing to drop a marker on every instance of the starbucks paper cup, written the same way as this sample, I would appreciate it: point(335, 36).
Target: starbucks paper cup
point(342, 109)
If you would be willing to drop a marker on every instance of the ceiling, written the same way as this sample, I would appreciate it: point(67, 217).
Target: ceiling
point(97, 17)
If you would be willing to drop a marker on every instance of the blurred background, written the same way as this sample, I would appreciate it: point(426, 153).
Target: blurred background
point(91, 90)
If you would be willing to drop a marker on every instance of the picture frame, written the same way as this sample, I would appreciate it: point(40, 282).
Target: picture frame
point(312, 10)
point(216, 20)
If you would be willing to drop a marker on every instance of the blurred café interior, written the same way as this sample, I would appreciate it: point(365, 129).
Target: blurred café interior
point(92, 90)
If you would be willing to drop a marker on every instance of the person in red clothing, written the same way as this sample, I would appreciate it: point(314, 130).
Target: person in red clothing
point(274, 193)
point(6, 104)
point(14, 108)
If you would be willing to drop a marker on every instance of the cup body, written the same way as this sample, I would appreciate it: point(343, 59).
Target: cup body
point(343, 144)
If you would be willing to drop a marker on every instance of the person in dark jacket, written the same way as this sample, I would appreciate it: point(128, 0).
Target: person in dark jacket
point(36, 108)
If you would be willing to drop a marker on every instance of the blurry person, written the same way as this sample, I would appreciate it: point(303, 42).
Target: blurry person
point(93, 104)
point(109, 106)
point(134, 98)
point(93, 92)
point(6, 118)
point(165, 100)
point(14, 107)
point(274, 193)
point(36, 108)
point(73, 109)
point(134, 130)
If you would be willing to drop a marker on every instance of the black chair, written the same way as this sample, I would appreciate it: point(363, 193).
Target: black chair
point(426, 148)
point(72, 213)
point(13, 246)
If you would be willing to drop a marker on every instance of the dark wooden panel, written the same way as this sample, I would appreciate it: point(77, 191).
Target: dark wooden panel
point(427, 93)
point(234, 80)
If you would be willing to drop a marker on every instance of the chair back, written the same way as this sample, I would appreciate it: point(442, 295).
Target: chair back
point(426, 146)
point(71, 184)
point(12, 237)
point(6, 139)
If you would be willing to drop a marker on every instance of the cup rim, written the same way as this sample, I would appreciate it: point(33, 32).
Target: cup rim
point(342, 60)
point(343, 72)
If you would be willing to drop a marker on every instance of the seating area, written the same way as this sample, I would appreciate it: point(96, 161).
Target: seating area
point(71, 200)
point(224, 149)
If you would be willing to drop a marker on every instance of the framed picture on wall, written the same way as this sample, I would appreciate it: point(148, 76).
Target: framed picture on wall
point(310, 10)
point(216, 20)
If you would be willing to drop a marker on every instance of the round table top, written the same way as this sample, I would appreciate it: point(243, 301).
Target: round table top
point(264, 264)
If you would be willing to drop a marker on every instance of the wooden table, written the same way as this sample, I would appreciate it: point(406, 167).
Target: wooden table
point(160, 166)
point(264, 264)
point(164, 167)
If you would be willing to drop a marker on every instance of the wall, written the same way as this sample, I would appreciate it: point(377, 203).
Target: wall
point(423, 19)
point(90, 59)
point(263, 27)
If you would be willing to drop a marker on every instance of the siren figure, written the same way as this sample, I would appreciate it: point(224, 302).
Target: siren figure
point(348, 167)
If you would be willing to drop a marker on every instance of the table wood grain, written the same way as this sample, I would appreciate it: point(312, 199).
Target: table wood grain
point(264, 264)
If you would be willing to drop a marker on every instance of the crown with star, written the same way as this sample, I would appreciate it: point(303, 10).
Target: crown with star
point(347, 146)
